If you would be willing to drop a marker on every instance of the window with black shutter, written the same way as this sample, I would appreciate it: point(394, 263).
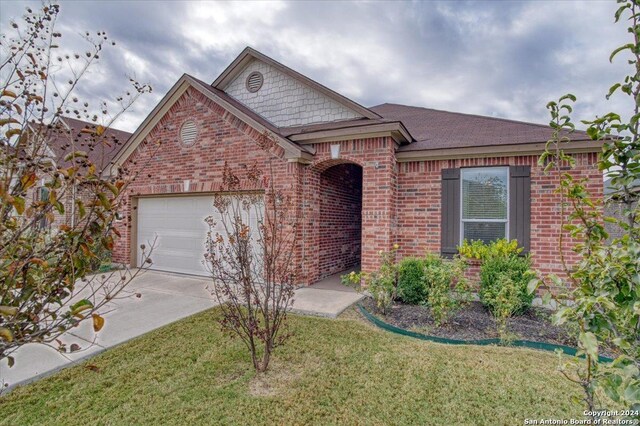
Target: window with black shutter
point(450, 212)
point(520, 206)
point(486, 204)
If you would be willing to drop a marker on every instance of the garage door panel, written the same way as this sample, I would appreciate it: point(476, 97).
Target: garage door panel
point(178, 226)
point(184, 263)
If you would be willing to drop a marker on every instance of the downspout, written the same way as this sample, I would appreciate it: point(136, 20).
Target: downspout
point(303, 170)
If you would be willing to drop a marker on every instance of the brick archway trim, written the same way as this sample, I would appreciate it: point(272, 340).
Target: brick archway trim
point(325, 163)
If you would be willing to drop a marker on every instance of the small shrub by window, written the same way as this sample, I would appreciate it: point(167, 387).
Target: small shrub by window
point(479, 250)
point(411, 284)
point(506, 302)
point(496, 272)
point(446, 286)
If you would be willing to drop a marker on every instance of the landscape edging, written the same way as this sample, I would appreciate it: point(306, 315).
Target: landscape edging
point(568, 350)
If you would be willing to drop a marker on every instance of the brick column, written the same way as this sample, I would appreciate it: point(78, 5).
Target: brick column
point(379, 197)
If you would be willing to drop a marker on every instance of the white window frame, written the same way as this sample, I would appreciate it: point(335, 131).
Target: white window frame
point(462, 220)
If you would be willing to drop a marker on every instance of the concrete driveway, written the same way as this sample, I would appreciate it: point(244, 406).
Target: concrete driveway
point(165, 298)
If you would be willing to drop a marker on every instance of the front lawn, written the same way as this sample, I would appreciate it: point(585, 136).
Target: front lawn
point(331, 372)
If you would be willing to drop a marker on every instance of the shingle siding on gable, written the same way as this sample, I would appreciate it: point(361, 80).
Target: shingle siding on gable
point(284, 101)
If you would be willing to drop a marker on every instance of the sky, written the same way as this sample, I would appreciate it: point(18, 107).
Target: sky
point(497, 58)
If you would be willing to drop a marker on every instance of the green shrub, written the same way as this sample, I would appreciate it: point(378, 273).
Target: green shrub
point(479, 250)
point(445, 285)
point(352, 279)
point(101, 261)
point(411, 285)
point(382, 285)
point(495, 272)
point(506, 302)
point(383, 290)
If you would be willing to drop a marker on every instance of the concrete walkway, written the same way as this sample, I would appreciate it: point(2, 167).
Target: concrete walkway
point(165, 298)
point(326, 298)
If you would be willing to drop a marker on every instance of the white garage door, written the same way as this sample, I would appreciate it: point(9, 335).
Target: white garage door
point(180, 232)
point(178, 227)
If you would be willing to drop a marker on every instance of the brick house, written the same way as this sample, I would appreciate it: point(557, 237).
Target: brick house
point(362, 178)
point(61, 138)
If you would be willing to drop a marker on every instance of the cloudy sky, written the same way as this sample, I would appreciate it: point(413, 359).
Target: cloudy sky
point(499, 58)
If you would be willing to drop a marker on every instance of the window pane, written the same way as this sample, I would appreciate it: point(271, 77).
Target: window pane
point(484, 231)
point(484, 193)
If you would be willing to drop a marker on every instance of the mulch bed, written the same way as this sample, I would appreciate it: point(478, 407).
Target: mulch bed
point(474, 322)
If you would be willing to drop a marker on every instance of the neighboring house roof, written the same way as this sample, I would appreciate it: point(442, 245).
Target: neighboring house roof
point(66, 135)
point(435, 129)
point(609, 190)
point(100, 152)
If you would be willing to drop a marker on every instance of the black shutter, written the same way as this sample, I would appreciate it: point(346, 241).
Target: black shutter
point(520, 205)
point(450, 212)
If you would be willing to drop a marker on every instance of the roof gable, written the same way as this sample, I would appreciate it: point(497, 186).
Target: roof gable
point(292, 151)
point(286, 98)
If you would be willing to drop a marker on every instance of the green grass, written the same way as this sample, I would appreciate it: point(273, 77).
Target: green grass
point(331, 372)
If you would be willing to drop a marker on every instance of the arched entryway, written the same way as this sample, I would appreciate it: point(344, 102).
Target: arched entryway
point(340, 219)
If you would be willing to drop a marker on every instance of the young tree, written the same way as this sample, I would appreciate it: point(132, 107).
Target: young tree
point(47, 285)
point(250, 256)
point(605, 283)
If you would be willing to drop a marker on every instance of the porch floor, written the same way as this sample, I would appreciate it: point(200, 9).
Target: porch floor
point(326, 298)
point(332, 282)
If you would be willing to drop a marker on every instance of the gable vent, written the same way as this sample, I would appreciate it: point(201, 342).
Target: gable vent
point(188, 133)
point(254, 81)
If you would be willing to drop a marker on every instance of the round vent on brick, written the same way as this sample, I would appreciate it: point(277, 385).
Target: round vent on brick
point(188, 133)
point(254, 81)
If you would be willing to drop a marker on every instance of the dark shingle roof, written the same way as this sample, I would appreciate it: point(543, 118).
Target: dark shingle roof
point(99, 151)
point(435, 129)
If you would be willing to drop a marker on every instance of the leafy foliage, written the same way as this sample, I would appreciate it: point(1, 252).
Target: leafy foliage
point(495, 272)
point(479, 250)
point(352, 279)
point(501, 263)
point(504, 279)
point(438, 283)
point(382, 284)
point(251, 260)
point(446, 286)
point(411, 286)
point(604, 286)
point(506, 301)
point(43, 268)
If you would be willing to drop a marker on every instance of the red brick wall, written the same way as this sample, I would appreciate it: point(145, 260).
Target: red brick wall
point(400, 201)
point(419, 205)
point(163, 164)
point(340, 218)
point(376, 156)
